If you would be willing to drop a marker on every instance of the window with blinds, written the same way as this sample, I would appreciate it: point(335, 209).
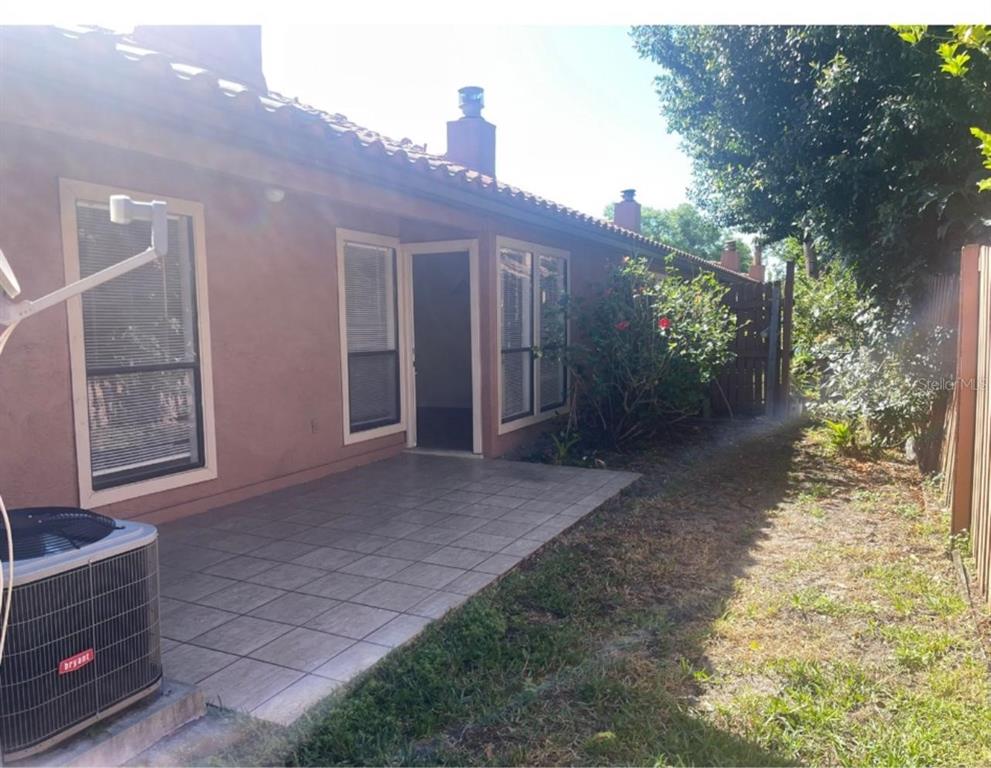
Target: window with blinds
point(370, 303)
point(532, 295)
point(141, 352)
point(553, 331)
point(516, 299)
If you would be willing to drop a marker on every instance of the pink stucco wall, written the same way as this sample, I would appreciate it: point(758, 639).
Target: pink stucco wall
point(272, 296)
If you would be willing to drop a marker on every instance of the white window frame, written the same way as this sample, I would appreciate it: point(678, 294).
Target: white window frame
point(536, 250)
point(71, 191)
point(381, 241)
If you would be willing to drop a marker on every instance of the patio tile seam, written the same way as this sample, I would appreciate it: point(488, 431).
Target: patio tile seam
point(301, 675)
point(212, 672)
point(239, 656)
point(457, 543)
point(351, 599)
point(596, 494)
point(262, 514)
point(432, 592)
point(393, 541)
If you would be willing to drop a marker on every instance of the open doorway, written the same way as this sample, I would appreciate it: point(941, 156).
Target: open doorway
point(442, 350)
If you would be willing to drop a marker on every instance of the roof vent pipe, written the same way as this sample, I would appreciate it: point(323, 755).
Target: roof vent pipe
point(471, 99)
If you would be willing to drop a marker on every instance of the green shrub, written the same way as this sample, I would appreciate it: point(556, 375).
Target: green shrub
point(648, 348)
point(826, 310)
point(886, 383)
point(870, 367)
point(842, 436)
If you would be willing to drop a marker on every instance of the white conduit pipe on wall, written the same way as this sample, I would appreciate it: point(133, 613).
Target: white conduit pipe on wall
point(123, 210)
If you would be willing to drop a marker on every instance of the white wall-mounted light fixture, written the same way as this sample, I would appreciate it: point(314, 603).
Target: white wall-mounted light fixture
point(274, 194)
point(123, 210)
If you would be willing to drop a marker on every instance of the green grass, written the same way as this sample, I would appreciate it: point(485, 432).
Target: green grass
point(918, 648)
point(911, 590)
point(814, 600)
point(652, 636)
point(909, 510)
point(527, 655)
point(849, 714)
point(814, 491)
point(491, 656)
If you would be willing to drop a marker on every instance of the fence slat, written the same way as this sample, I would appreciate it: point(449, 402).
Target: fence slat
point(967, 440)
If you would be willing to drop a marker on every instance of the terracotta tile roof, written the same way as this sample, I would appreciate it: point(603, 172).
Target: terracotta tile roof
point(122, 51)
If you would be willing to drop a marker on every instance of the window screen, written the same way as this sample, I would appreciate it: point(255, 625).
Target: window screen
point(516, 297)
point(553, 331)
point(372, 331)
point(141, 349)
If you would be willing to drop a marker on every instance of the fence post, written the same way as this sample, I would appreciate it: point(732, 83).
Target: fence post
point(966, 385)
point(784, 397)
point(772, 396)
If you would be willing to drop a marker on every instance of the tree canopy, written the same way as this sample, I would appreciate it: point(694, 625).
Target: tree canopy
point(842, 134)
point(956, 47)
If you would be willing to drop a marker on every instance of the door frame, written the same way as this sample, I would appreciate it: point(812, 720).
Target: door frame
point(407, 252)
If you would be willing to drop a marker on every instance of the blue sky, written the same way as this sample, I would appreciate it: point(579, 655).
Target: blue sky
point(576, 114)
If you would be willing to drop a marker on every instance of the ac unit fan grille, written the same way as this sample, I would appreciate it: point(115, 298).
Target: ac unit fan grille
point(110, 606)
point(40, 531)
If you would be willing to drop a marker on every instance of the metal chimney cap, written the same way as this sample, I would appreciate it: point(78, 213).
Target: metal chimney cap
point(628, 195)
point(471, 99)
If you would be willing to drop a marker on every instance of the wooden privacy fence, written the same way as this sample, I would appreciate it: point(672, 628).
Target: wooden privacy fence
point(757, 379)
point(967, 443)
point(939, 307)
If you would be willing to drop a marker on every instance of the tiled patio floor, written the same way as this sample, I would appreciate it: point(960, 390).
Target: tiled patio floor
point(270, 604)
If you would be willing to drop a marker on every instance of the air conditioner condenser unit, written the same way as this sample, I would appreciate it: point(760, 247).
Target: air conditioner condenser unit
point(83, 640)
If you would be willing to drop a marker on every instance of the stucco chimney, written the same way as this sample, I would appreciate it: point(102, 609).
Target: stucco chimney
point(626, 213)
point(731, 257)
point(471, 138)
point(232, 52)
point(757, 268)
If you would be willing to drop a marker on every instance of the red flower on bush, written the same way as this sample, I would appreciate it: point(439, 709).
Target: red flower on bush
point(622, 325)
point(663, 323)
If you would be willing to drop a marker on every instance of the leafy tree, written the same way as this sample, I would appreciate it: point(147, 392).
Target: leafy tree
point(954, 49)
point(839, 134)
point(687, 228)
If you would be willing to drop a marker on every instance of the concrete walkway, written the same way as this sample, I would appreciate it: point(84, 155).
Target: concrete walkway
point(271, 604)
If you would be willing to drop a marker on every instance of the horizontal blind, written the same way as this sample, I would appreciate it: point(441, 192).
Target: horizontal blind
point(516, 323)
point(370, 298)
point(373, 383)
point(370, 302)
point(143, 317)
point(517, 299)
point(517, 384)
point(553, 330)
point(141, 420)
point(142, 361)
